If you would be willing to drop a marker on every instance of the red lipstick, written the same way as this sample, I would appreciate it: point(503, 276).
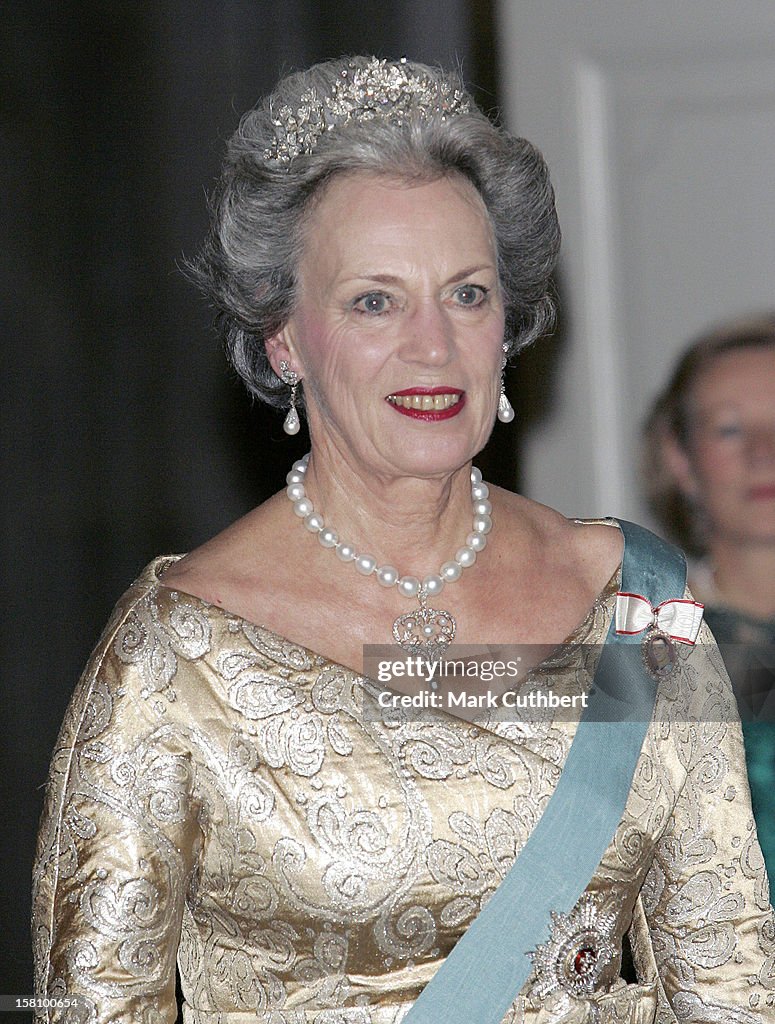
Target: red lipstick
point(765, 492)
point(414, 402)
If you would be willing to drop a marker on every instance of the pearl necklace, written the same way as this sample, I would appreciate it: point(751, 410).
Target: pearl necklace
point(428, 631)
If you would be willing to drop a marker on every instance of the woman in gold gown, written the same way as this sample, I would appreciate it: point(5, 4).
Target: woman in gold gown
point(226, 790)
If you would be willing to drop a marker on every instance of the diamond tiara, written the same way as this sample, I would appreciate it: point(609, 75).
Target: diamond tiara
point(363, 92)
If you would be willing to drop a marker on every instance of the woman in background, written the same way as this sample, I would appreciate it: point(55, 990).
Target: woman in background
point(711, 471)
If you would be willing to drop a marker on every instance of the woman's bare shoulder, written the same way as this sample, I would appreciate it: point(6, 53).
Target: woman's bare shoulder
point(236, 559)
point(598, 544)
point(588, 549)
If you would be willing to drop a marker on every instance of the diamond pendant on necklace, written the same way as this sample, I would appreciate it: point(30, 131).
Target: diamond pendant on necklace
point(425, 632)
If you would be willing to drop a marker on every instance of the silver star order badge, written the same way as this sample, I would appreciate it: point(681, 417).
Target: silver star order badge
point(578, 952)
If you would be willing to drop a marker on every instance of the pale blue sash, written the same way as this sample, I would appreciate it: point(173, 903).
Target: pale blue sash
point(485, 971)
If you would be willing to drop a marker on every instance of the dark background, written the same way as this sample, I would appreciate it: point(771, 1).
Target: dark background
point(124, 434)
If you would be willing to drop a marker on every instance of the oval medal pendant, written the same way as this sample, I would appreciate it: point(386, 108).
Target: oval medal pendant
point(659, 654)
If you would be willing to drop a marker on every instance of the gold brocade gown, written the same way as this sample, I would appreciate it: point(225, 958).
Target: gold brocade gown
point(223, 796)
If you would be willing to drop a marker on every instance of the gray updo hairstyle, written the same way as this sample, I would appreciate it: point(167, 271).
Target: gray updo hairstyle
point(248, 264)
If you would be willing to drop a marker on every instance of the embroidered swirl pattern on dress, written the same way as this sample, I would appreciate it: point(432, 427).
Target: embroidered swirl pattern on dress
point(216, 784)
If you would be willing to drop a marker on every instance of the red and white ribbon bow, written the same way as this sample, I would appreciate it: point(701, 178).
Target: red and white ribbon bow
point(679, 619)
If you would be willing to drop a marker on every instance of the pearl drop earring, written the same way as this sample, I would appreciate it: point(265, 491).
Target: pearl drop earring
point(505, 408)
point(291, 424)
